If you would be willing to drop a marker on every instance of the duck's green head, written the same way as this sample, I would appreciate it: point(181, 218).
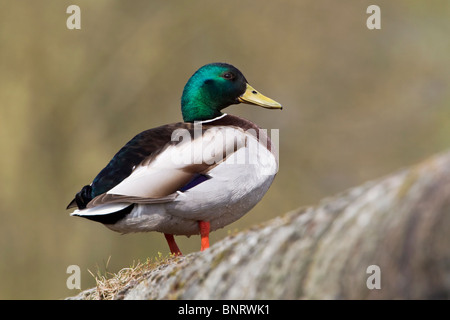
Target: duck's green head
point(216, 86)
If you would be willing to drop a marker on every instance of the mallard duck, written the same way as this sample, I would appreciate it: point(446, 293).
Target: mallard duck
point(190, 177)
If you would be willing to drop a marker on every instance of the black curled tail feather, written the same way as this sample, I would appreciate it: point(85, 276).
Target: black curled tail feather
point(82, 198)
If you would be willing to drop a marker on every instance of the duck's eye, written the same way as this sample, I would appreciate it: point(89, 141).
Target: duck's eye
point(228, 75)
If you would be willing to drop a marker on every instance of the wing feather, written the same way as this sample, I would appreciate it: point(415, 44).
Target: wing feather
point(158, 179)
point(177, 165)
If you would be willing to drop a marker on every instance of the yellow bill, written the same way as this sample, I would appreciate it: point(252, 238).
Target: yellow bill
point(251, 96)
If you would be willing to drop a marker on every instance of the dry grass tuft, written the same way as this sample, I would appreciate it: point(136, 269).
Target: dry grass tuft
point(112, 285)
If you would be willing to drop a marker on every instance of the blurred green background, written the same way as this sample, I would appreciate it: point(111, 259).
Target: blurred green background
point(359, 104)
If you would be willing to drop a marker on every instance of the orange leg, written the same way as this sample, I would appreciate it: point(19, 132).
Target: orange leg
point(172, 245)
point(204, 227)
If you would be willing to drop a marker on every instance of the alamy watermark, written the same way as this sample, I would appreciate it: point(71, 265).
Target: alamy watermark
point(374, 20)
point(74, 280)
point(227, 145)
point(73, 22)
point(374, 280)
